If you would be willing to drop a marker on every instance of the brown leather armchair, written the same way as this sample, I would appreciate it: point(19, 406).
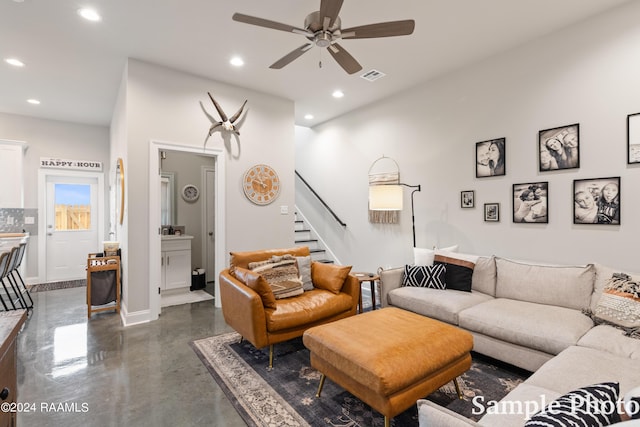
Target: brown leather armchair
point(283, 319)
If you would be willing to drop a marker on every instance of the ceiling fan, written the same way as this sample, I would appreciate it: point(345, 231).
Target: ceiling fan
point(323, 29)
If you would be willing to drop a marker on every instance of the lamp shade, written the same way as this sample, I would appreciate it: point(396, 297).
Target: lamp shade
point(385, 197)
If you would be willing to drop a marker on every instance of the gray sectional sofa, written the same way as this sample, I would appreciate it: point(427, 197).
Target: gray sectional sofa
point(530, 316)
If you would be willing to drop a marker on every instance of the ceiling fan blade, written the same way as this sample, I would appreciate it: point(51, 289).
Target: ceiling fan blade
point(329, 10)
point(344, 58)
point(289, 57)
point(260, 22)
point(383, 29)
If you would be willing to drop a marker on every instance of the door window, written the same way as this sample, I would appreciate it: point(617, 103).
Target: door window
point(72, 207)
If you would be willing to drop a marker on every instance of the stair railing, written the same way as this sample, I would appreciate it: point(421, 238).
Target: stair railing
point(320, 199)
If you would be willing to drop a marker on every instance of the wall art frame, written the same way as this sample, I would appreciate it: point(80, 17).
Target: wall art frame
point(596, 201)
point(491, 158)
point(467, 199)
point(492, 212)
point(559, 148)
point(633, 138)
point(531, 202)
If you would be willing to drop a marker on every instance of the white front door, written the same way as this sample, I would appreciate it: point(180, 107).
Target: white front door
point(71, 225)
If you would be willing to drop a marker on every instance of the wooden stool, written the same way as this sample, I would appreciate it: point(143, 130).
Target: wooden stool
point(389, 358)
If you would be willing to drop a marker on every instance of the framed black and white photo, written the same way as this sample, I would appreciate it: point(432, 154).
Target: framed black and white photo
point(467, 199)
point(633, 138)
point(596, 201)
point(530, 202)
point(559, 148)
point(490, 158)
point(492, 212)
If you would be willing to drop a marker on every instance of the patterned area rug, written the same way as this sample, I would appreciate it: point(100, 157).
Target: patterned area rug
point(285, 396)
point(52, 286)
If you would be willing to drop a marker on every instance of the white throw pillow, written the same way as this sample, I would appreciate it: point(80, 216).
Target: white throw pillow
point(424, 256)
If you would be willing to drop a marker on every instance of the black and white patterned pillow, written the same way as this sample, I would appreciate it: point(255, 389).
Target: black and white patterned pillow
point(425, 276)
point(595, 405)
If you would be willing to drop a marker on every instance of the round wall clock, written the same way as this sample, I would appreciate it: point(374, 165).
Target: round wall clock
point(190, 193)
point(261, 184)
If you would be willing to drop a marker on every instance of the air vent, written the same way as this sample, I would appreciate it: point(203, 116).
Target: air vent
point(373, 75)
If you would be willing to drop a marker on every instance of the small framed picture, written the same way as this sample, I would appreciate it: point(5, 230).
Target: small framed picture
point(559, 148)
point(530, 202)
point(467, 199)
point(490, 158)
point(596, 201)
point(633, 138)
point(492, 212)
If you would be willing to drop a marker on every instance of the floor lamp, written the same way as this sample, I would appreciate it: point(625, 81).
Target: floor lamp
point(388, 197)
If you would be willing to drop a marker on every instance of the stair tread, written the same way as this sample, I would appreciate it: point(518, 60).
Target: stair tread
point(301, 230)
point(306, 240)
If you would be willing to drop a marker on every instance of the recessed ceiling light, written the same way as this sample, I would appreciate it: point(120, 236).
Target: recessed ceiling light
point(15, 62)
point(89, 14)
point(338, 94)
point(236, 61)
point(33, 101)
point(308, 116)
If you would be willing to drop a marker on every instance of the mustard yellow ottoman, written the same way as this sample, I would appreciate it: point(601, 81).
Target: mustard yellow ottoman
point(389, 358)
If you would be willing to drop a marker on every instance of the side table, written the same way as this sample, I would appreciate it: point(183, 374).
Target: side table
point(371, 278)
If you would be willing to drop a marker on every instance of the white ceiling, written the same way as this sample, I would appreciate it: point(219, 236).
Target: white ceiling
point(74, 67)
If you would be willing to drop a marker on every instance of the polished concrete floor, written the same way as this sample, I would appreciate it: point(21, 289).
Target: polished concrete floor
point(78, 372)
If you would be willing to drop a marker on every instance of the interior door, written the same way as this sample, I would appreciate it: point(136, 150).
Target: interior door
point(209, 223)
point(71, 225)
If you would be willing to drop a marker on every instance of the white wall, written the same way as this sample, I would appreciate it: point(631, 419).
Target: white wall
point(585, 74)
point(52, 139)
point(162, 104)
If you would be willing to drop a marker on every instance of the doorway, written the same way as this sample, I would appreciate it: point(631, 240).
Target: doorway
point(155, 186)
point(71, 207)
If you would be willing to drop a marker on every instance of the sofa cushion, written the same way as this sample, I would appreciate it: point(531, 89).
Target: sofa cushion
point(256, 282)
point(612, 340)
point(459, 269)
point(281, 272)
point(306, 309)
point(516, 407)
point(592, 405)
point(580, 366)
point(329, 276)
point(562, 286)
point(546, 328)
point(435, 303)
point(424, 276)
point(431, 414)
point(484, 275)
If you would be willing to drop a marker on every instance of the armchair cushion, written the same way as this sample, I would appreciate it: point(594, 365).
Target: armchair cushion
point(329, 276)
point(258, 283)
point(281, 272)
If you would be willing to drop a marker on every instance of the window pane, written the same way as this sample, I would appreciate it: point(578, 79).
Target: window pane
point(73, 206)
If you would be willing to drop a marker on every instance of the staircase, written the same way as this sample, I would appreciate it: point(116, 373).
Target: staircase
point(304, 236)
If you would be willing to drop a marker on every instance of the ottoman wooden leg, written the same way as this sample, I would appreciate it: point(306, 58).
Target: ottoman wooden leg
point(322, 378)
point(455, 383)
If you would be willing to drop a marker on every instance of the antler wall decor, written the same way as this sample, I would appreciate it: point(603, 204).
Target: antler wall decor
point(227, 124)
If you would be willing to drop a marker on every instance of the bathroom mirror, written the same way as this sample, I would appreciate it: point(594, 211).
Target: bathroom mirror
point(167, 198)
